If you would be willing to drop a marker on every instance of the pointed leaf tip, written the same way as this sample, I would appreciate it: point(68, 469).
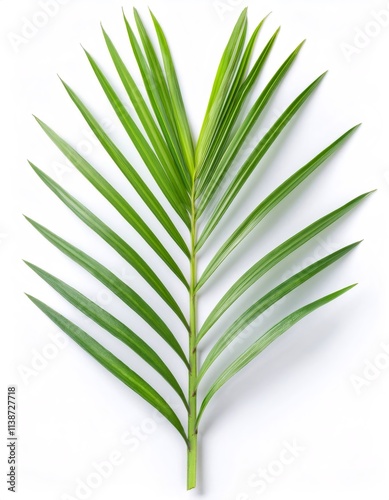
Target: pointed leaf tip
point(267, 15)
point(319, 78)
point(86, 52)
point(155, 20)
point(368, 193)
point(63, 82)
point(103, 30)
point(354, 128)
point(67, 87)
point(124, 16)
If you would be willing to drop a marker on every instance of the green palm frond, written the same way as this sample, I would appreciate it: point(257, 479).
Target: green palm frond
point(189, 174)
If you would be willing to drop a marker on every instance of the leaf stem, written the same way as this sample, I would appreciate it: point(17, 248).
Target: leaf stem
point(192, 429)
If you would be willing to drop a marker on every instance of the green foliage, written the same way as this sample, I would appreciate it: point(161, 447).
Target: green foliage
point(188, 174)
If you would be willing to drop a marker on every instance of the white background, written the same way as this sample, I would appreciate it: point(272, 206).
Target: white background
point(72, 413)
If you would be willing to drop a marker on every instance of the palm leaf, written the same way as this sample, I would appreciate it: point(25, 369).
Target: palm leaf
point(221, 86)
point(116, 200)
point(111, 325)
point(114, 240)
point(252, 161)
point(112, 364)
point(266, 302)
point(145, 150)
point(169, 85)
point(267, 262)
point(267, 205)
point(144, 114)
point(264, 341)
point(113, 283)
point(188, 175)
point(240, 91)
point(127, 169)
point(207, 191)
point(156, 91)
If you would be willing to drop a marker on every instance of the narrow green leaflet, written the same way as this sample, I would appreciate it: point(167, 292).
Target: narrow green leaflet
point(271, 259)
point(274, 199)
point(252, 161)
point(156, 71)
point(234, 107)
point(266, 302)
point(117, 286)
point(264, 341)
point(116, 200)
point(178, 106)
point(128, 171)
point(247, 83)
point(244, 130)
point(219, 135)
point(154, 93)
point(111, 325)
point(242, 69)
point(114, 240)
point(146, 118)
point(168, 83)
point(222, 83)
point(146, 152)
point(112, 364)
